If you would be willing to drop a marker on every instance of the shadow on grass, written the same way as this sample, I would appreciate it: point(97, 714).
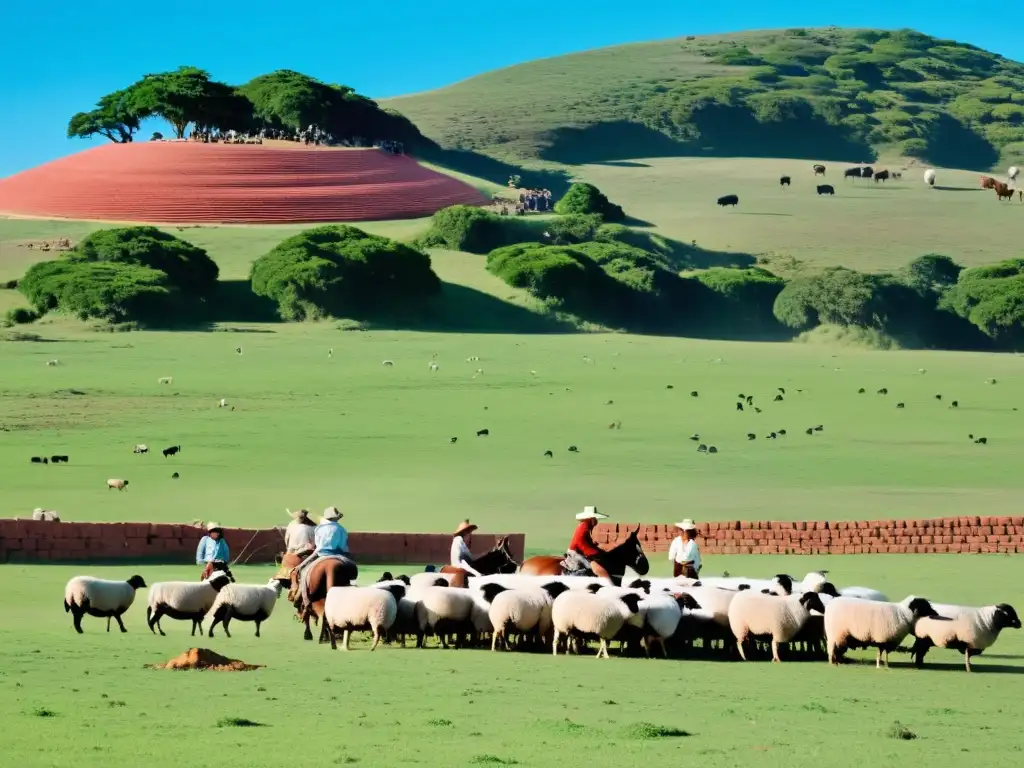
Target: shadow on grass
point(960, 189)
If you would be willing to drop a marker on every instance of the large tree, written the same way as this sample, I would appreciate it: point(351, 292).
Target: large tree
point(188, 95)
point(116, 116)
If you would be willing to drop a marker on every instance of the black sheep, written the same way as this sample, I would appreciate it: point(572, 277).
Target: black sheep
point(732, 200)
point(483, 433)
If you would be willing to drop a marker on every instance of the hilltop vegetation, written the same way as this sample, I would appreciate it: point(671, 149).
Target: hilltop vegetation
point(820, 93)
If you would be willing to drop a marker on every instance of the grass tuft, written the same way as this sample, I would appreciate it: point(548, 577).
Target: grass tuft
point(652, 731)
point(238, 722)
point(901, 732)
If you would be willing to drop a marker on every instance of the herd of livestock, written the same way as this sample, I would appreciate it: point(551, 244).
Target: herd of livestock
point(1003, 189)
point(725, 617)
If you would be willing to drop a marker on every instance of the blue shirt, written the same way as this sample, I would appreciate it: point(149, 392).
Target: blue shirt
point(210, 550)
point(331, 539)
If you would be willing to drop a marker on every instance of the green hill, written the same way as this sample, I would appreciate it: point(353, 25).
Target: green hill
point(826, 94)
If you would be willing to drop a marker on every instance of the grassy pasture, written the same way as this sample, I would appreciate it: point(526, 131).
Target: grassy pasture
point(88, 701)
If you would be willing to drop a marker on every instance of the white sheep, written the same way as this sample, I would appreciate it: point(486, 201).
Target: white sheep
point(121, 485)
point(527, 581)
point(245, 602)
point(1013, 173)
point(45, 515)
point(782, 618)
point(581, 613)
point(420, 581)
point(349, 609)
point(852, 622)
point(929, 177)
point(444, 611)
point(222, 403)
point(406, 622)
point(662, 614)
point(969, 630)
point(863, 593)
point(184, 600)
point(141, 448)
point(523, 611)
point(99, 597)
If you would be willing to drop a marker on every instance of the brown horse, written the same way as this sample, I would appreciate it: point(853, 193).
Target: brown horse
point(615, 560)
point(497, 560)
point(322, 576)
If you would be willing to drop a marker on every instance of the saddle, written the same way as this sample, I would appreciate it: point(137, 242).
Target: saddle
point(575, 564)
point(305, 568)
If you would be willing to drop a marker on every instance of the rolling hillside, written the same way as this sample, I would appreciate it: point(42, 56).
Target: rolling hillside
point(827, 94)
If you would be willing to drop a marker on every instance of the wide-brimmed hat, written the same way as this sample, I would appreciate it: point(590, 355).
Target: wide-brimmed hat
point(686, 525)
point(212, 526)
point(333, 513)
point(590, 513)
point(299, 514)
point(465, 527)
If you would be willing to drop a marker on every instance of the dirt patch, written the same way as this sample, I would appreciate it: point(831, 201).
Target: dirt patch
point(203, 658)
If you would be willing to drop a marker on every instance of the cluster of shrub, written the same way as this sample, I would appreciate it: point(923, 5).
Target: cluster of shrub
point(576, 263)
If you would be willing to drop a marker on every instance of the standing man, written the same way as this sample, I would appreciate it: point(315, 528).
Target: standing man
point(582, 547)
point(212, 548)
point(684, 554)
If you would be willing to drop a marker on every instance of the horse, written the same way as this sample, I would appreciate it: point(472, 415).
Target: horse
point(615, 560)
point(322, 575)
point(497, 560)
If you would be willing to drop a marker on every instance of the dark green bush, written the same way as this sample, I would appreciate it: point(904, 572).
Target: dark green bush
point(110, 291)
point(933, 271)
point(837, 295)
point(476, 230)
point(341, 271)
point(21, 316)
point(992, 299)
point(747, 295)
point(570, 229)
point(586, 198)
point(188, 267)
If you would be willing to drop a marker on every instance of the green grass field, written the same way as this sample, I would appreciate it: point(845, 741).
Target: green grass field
point(87, 700)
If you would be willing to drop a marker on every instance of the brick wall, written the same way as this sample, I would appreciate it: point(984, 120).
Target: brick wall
point(945, 534)
point(32, 541)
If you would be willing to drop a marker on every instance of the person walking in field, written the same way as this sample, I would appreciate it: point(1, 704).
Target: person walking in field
point(582, 548)
point(300, 535)
point(461, 556)
point(684, 553)
point(212, 549)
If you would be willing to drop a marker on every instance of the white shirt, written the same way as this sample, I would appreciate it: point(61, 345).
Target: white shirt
point(299, 537)
point(460, 555)
point(683, 551)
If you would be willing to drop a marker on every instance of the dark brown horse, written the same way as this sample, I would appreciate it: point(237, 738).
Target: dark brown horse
point(615, 560)
point(497, 560)
point(322, 576)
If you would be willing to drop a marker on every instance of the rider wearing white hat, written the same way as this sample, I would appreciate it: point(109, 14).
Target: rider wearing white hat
point(212, 548)
point(582, 547)
point(461, 556)
point(683, 553)
point(299, 536)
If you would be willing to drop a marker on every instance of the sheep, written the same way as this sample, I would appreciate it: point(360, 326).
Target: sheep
point(184, 600)
point(751, 613)
point(121, 485)
point(406, 622)
point(222, 403)
point(520, 610)
point(100, 597)
point(361, 608)
point(662, 614)
point(1013, 173)
point(863, 593)
point(45, 515)
point(245, 602)
point(970, 630)
point(869, 623)
point(52, 363)
point(141, 448)
point(587, 614)
point(165, 380)
point(527, 581)
point(444, 611)
point(929, 177)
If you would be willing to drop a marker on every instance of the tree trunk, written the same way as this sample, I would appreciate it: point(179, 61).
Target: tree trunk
point(179, 129)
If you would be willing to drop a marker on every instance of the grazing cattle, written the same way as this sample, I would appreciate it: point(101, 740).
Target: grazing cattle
point(739, 406)
point(58, 459)
point(819, 428)
point(695, 437)
point(222, 403)
point(757, 410)
point(175, 476)
point(732, 200)
point(670, 386)
point(750, 399)
point(702, 448)
point(141, 448)
point(783, 390)
point(712, 449)
point(826, 189)
point(770, 436)
point(782, 431)
point(987, 182)
point(938, 397)
point(860, 391)
point(982, 441)
point(549, 454)
point(453, 440)
point(433, 366)
point(819, 170)
point(883, 391)
point(238, 350)
point(751, 436)
point(901, 405)
point(693, 393)
point(954, 404)
point(172, 450)
point(897, 175)
point(39, 460)
point(867, 172)
point(778, 399)
point(1004, 191)
point(881, 176)
point(851, 173)
point(483, 433)
point(121, 485)
point(573, 449)
point(809, 431)
point(785, 181)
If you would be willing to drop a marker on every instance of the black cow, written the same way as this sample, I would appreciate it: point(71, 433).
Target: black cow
point(483, 433)
point(819, 170)
point(732, 200)
point(881, 176)
point(172, 450)
point(694, 393)
point(851, 173)
point(58, 459)
point(38, 460)
point(175, 476)
point(549, 454)
point(785, 181)
point(454, 440)
point(751, 436)
point(739, 406)
point(573, 449)
point(867, 172)
point(826, 189)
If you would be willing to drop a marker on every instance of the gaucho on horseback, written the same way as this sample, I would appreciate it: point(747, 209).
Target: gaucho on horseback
point(582, 549)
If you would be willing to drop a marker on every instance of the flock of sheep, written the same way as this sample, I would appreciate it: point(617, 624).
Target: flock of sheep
point(683, 617)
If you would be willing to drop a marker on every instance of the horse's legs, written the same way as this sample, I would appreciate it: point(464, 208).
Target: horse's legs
point(308, 634)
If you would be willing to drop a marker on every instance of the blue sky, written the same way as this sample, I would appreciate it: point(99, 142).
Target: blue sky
point(57, 57)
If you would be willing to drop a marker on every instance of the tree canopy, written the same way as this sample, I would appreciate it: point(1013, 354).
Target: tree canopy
point(586, 198)
point(116, 116)
point(992, 299)
point(341, 271)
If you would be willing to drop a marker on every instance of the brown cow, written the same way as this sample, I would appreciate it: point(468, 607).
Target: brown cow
point(1004, 191)
point(987, 182)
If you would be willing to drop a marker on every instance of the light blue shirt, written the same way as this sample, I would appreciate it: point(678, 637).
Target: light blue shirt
point(210, 550)
point(331, 539)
